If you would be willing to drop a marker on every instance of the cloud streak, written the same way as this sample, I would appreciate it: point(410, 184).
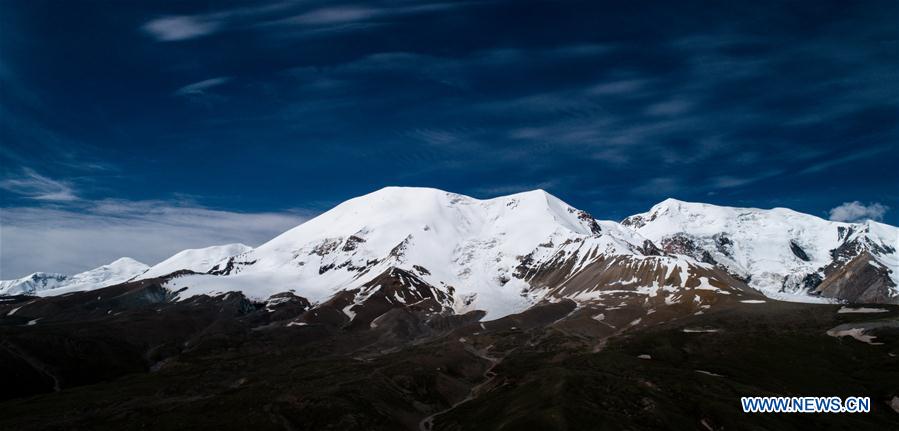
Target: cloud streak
point(202, 87)
point(287, 14)
point(175, 28)
point(33, 185)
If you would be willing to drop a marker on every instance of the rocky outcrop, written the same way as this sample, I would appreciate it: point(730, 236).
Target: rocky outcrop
point(861, 280)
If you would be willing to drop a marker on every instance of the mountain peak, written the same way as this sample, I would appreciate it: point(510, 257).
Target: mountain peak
point(420, 192)
point(781, 252)
point(195, 259)
point(126, 261)
point(42, 283)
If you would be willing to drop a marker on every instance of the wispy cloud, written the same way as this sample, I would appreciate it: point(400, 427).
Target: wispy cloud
point(619, 87)
point(335, 15)
point(660, 186)
point(494, 191)
point(184, 27)
point(202, 87)
point(669, 107)
point(75, 238)
point(342, 15)
point(283, 14)
point(175, 28)
point(853, 156)
point(731, 181)
point(33, 185)
point(856, 211)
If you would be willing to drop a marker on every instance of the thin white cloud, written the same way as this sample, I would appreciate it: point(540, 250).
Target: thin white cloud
point(730, 181)
point(35, 186)
point(71, 240)
point(200, 88)
point(336, 15)
point(669, 107)
point(287, 14)
point(628, 86)
point(491, 192)
point(837, 161)
point(660, 186)
point(175, 28)
point(352, 14)
point(856, 211)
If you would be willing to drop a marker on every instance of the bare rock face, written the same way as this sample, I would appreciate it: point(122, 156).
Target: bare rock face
point(860, 280)
point(394, 288)
point(683, 244)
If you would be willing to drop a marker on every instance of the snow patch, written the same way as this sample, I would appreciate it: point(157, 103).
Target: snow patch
point(861, 310)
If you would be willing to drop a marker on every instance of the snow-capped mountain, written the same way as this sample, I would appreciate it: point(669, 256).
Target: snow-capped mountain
point(452, 241)
point(780, 252)
point(443, 251)
point(196, 260)
point(47, 284)
point(500, 255)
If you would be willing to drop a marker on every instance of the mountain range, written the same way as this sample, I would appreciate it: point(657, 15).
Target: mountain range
point(505, 254)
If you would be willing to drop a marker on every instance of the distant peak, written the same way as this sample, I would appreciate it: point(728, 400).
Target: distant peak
point(406, 189)
point(125, 261)
point(535, 192)
point(232, 246)
point(401, 190)
point(672, 202)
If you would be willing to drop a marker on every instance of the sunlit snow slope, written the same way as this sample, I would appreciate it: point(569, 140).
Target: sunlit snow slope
point(48, 284)
point(781, 252)
point(196, 260)
point(448, 240)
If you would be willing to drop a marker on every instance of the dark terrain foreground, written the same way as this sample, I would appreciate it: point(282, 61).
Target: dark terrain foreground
point(128, 357)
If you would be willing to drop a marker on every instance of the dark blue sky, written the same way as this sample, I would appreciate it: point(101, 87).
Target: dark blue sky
point(288, 107)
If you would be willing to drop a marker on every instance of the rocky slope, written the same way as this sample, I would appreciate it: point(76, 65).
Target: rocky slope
point(133, 356)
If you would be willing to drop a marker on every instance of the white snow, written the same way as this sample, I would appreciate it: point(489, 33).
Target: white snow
point(44, 284)
point(857, 333)
point(475, 247)
point(470, 244)
point(861, 310)
point(752, 301)
point(760, 241)
point(197, 260)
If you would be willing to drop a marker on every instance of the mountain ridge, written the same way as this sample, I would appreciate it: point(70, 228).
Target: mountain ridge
point(505, 253)
point(117, 271)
